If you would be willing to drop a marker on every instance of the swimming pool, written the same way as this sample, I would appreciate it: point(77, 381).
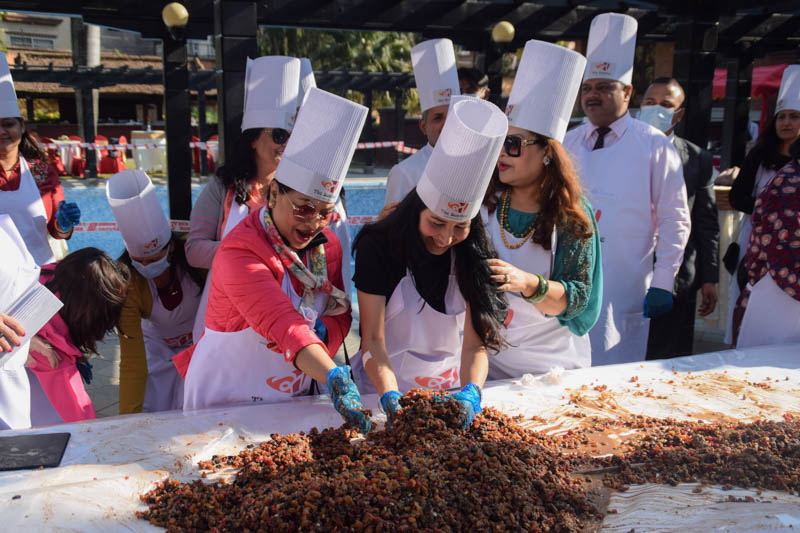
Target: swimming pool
point(363, 197)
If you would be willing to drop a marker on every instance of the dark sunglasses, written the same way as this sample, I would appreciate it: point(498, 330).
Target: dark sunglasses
point(307, 212)
point(280, 135)
point(513, 144)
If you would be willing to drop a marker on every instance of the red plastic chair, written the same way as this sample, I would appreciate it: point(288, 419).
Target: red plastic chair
point(113, 162)
point(101, 140)
point(54, 157)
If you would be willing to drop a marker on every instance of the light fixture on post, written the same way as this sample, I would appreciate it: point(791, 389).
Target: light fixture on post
point(175, 17)
point(503, 32)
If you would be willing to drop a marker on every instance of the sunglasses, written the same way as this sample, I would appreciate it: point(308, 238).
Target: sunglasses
point(307, 212)
point(280, 135)
point(514, 143)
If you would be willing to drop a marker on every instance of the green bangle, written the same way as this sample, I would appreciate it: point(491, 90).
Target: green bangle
point(541, 292)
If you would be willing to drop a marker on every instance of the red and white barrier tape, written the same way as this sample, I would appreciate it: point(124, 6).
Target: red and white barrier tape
point(183, 225)
point(397, 145)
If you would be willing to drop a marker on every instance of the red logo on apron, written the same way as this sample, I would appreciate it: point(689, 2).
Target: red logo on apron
point(181, 341)
point(597, 215)
point(445, 380)
point(288, 384)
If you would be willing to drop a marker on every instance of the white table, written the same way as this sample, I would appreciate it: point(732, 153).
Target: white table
point(67, 151)
point(109, 462)
point(150, 159)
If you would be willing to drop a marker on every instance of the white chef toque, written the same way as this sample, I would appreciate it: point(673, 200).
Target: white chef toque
point(307, 80)
point(789, 93)
point(435, 72)
point(132, 197)
point(545, 88)
point(270, 92)
point(611, 46)
point(319, 152)
point(9, 107)
point(458, 172)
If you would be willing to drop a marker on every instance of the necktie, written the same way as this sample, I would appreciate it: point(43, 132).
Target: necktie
point(601, 133)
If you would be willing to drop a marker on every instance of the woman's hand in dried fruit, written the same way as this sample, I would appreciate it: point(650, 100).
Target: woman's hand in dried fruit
point(469, 399)
point(390, 403)
point(346, 398)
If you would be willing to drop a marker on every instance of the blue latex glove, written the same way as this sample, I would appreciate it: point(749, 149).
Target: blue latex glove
point(321, 331)
point(85, 369)
point(68, 215)
point(656, 303)
point(390, 403)
point(346, 398)
point(469, 398)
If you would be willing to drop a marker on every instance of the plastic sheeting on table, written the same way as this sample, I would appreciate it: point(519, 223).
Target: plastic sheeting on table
point(110, 462)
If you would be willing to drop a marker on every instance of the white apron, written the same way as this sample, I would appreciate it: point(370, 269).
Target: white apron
point(238, 367)
point(167, 333)
point(771, 317)
point(763, 177)
point(17, 271)
point(27, 211)
point(537, 342)
point(617, 183)
point(423, 345)
point(235, 215)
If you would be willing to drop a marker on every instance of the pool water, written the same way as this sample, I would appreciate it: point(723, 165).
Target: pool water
point(362, 199)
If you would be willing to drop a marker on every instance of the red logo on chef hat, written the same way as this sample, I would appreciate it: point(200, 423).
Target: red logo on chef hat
point(509, 109)
point(330, 186)
point(603, 66)
point(445, 93)
point(458, 207)
point(445, 380)
point(152, 245)
point(290, 384)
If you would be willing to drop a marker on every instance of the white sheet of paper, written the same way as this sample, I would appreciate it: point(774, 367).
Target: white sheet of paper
point(33, 309)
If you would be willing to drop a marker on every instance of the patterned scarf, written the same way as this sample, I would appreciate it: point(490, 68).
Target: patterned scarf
point(313, 280)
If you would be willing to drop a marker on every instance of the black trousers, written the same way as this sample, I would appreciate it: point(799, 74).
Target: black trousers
point(672, 334)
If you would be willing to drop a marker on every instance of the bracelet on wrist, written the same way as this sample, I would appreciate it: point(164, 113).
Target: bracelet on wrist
point(541, 292)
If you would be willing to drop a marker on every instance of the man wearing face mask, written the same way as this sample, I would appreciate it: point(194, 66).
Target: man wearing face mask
point(672, 334)
point(163, 294)
point(436, 75)
point(632, 176)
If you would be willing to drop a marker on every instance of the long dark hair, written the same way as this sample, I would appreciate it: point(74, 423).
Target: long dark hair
point(241, 167)
point(768, 146)
point(93, 288)
point(559, 197)
point(488, 307)
point(177, 260)
point(29, 147)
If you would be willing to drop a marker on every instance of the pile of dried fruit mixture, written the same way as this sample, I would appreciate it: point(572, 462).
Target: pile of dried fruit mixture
point(422, 474)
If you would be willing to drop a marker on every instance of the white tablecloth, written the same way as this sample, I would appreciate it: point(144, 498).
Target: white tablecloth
point(150, 159)
point(67, 150)
point(110, 462)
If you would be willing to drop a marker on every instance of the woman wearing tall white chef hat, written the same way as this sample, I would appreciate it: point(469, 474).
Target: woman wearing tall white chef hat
point(242, 184)
point(159, 311)
point(542, 227)
point(276, 310)
point(422, 273)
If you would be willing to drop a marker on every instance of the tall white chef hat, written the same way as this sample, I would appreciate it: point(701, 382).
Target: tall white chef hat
point(789, 93)
point(132, 197)
point(545, 88)
point(307, 80)
point(270, 92)
point(461, 164)
point(612, 43)
point(9, 107)
point(435, 72)
point(319, 152)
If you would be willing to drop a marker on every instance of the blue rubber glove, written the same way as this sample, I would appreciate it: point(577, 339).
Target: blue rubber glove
point(321, 331)
point(346, 398)
point(656, 303)
point(390, 403)
point(469, 399)
point(68, 215)
point(85, 369)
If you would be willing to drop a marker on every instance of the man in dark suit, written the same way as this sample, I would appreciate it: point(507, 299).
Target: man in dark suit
point(672, 334)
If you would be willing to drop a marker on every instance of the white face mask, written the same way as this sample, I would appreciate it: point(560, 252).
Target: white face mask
point(657, 116)
point(152, 270)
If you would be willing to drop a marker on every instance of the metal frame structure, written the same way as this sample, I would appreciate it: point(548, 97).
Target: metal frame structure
point(704, 31)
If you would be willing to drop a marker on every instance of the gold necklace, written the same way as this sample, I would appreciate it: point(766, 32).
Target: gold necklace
point(503, 215)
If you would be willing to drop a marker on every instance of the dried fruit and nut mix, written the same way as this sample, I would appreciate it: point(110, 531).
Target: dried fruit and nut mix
point(425, 475)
